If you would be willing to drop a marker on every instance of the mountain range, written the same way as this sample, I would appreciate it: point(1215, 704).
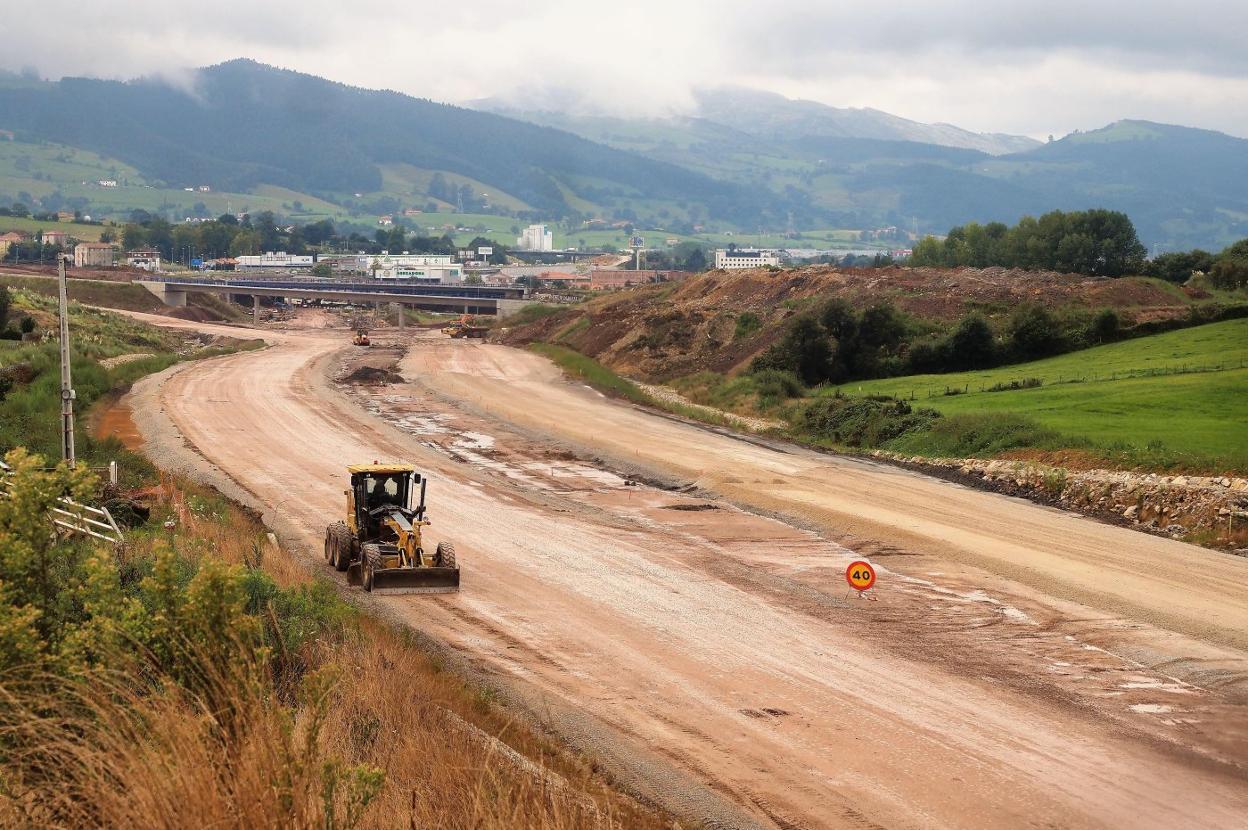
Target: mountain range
point(742, 158)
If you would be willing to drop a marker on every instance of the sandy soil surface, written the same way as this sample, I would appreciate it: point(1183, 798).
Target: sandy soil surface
point(711, 655)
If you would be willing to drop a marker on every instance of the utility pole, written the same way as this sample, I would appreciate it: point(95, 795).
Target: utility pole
point(67, 386)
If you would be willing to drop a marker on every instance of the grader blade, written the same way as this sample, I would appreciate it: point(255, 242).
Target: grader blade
point(416, 581)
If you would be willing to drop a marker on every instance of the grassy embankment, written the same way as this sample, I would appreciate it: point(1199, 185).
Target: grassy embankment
point(1166, 401)
point(121, 295)
point(1175, 399)
point(202, 673)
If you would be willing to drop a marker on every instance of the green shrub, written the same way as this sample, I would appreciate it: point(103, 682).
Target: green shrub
point(1010, 386)
point(747, 324)
point(864, 422)
point(1034, 334)
point(1104, 326)
point(979, 434)
point(774, 385)
point(533, 312)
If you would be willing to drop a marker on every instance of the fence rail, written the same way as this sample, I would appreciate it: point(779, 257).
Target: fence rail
point(71, 516)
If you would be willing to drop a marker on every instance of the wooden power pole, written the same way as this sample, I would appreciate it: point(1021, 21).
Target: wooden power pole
point(67, 387)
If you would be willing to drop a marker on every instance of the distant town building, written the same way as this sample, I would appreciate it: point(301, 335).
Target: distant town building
point(107, 182)
point(275, 259)
point(55, 238)
point(93, 255)
point(385, 220)
point(536, 238)
point(203, 188)
point(64, 216)
point(732, 258)
point(144, 260)
point(10, 239)
point(433, 268)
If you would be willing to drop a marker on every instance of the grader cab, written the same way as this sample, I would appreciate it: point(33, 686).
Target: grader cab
point(381, 544)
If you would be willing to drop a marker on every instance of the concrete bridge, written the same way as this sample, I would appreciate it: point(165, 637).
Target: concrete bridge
point(465, 299)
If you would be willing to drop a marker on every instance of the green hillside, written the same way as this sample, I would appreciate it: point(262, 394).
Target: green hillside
point(1181, 392)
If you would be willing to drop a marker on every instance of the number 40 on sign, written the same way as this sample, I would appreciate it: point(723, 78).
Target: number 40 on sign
point(860, 575)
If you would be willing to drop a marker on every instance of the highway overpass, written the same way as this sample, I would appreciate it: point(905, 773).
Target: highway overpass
point(465, 299)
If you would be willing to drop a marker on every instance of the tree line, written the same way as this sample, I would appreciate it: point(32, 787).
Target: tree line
point(1096, 242)
point(836, 343)
point(229, 236)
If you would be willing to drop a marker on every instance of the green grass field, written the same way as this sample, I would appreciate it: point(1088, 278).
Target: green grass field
point(1183, 392)
point(77, 230)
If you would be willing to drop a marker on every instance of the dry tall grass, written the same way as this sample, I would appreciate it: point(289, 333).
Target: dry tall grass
point(373, 734)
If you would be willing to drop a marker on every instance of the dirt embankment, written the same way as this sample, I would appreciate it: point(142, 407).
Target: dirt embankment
point(668, 331)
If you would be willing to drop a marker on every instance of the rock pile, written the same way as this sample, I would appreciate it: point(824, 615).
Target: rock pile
point(1210, 510)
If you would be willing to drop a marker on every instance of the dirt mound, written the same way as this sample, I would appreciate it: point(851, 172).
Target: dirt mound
point(373, 375)
point(720, 320)
point(194, 313)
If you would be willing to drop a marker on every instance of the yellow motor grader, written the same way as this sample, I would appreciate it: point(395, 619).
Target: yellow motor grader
point(380, 545)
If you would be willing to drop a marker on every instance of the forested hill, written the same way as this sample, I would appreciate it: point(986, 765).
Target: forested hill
point(243, 124)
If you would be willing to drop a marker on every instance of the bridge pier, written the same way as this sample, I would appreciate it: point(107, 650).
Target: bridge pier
point(255, 309)
point(169, 296)
point(402, 315)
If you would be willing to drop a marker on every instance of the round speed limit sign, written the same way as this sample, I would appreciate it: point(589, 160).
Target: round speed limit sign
point(860, 575)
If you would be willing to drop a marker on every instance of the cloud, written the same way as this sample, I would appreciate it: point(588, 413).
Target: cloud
point(1009, 66)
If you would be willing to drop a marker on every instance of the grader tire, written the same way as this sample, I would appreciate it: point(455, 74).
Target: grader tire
point(341, 555)
point(370, 559)
point(444, 555)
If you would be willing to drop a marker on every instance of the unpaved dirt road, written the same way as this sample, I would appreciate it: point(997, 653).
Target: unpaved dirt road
point(712, 653)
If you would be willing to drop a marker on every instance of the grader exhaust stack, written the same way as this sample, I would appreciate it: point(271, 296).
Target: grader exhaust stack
point(381, 545)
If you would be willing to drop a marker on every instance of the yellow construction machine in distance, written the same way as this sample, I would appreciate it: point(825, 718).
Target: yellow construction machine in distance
point(381, 544)
point(465, 326)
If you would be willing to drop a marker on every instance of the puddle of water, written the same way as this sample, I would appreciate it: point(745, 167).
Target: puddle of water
point(116, 422)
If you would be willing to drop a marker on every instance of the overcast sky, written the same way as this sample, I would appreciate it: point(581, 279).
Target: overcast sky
point(1006, 66)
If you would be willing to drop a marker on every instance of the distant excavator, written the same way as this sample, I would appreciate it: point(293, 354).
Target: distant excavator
point(465, 326)
point(380, 545)
point(361, 338)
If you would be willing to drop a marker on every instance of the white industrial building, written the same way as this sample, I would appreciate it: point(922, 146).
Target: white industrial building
point(730, 258)
point(275, 259)
point(437, 268)
point(536, 238)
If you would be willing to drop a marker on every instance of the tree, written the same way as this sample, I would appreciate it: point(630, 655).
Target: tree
point(804, 350)
point(1231, 268)
point(1178, 266)
point(215, 238)
point(5, 302)
point(133, 237)
point(1033, 334)
point(971, 345)
point(323, 270)
point(1104, 326)
point(928, 252)
point(245, 242)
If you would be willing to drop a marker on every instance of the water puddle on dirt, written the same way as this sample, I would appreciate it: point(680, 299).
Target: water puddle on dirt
point(116, 422)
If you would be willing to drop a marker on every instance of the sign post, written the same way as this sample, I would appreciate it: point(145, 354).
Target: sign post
point(67, 384)
point(860, 576)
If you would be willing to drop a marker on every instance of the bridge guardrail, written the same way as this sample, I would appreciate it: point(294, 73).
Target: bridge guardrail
point(406, 289)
